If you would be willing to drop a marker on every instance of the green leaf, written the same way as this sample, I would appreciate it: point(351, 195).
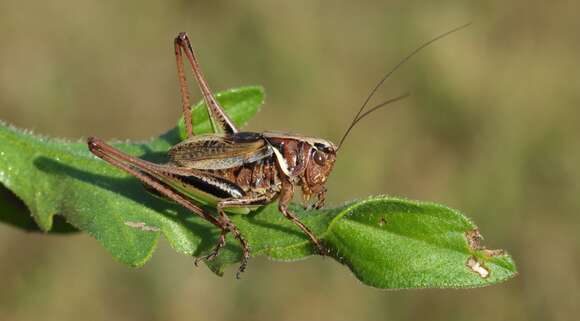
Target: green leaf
point(386, 242)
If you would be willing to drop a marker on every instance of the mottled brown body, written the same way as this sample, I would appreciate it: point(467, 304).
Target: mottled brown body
point(259, 177)
point(260, 163)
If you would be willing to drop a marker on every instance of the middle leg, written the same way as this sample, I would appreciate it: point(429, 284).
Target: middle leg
point(253, 200)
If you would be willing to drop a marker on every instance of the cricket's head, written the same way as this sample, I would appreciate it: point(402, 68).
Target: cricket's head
point(307, 161)
point(321, 158)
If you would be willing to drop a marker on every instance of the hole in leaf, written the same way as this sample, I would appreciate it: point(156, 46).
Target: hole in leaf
point(478, 267)
point(474, 238)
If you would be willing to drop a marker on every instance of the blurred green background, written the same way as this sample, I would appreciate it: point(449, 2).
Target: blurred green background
point(492, 128)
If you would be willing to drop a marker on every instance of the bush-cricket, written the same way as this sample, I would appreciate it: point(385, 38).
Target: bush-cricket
point(237, 171)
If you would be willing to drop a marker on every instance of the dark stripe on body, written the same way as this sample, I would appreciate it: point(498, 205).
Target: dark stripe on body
point(220, 188)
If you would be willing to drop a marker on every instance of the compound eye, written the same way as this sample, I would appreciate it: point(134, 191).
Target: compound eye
point(319, 158)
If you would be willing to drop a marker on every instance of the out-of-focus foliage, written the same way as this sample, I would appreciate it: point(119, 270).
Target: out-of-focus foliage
point(491, 128)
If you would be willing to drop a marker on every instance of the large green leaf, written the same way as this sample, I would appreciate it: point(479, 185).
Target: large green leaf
point(386, 242)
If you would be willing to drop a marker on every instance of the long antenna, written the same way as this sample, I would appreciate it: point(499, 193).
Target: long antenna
point(395, 68)
point(381, 105)
point(374, 108)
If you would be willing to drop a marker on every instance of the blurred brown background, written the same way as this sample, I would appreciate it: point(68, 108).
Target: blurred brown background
point(492, 129)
